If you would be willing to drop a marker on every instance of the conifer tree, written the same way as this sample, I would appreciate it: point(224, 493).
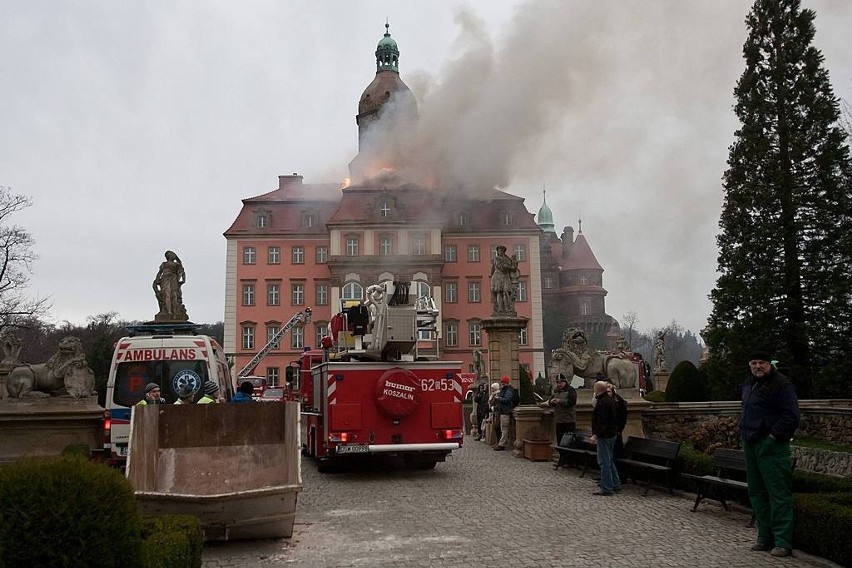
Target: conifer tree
point(785, 244)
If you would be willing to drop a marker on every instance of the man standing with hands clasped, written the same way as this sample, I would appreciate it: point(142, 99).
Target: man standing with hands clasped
point(770, 415)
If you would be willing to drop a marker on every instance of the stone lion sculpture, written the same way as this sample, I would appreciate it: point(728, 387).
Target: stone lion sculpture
point(65, 373)
point(575, 357)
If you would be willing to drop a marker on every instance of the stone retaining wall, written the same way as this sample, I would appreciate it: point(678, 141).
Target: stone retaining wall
point(827, 420)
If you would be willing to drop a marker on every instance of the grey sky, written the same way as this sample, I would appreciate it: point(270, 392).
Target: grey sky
point(138, 127)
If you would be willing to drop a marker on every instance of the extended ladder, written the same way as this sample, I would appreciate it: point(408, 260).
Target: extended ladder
point(302, 317)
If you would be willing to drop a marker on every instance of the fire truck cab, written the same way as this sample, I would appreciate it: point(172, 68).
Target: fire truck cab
point(367, 393)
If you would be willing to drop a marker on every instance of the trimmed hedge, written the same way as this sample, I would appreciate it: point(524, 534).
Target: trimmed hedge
point(823, 525)
point(172, 541)
point(809, 482)
point(655, 396)
point(823, 506)
point(67, 511)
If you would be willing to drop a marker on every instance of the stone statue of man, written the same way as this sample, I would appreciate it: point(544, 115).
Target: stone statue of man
point(504, 282)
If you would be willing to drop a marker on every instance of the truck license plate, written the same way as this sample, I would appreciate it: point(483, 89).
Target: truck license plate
point(360, 449)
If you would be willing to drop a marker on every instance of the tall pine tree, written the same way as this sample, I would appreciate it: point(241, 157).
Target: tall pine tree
point(785, 259)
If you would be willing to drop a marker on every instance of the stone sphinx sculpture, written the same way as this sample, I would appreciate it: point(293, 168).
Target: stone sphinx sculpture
point(65, 373)
point(575, 357)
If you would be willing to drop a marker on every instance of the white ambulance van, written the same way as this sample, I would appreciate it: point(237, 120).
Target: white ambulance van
point(167, 355)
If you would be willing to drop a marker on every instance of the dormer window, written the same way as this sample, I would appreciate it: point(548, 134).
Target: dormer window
point(464, 219)
point(261, 219)
point(506, 218)
point(309, 219)
point(384, 210)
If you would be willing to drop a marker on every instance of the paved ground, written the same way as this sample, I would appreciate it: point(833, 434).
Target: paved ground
point(489, 508)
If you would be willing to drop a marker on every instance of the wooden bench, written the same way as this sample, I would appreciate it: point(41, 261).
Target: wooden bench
point(730, 476)
point(649, 456)
point(581, 452)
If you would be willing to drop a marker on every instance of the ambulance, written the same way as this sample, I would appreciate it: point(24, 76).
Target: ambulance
point(171, 356)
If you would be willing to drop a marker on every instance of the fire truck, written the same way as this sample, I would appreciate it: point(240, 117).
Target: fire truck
point(369, 392)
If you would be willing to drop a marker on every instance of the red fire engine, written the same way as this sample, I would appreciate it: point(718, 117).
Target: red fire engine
point(369, 391)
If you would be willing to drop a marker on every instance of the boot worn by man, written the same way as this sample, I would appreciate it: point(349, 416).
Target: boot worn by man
point(781, 551)
point(761, 547)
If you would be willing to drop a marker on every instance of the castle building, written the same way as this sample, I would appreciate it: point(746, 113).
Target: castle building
point(572, 292)
point(319, 244)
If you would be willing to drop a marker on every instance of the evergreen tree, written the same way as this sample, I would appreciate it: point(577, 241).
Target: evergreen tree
point(786, 225)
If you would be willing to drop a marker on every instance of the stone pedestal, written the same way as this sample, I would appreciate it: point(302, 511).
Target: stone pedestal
point(636, 406)
point(661, 380)
point(530, 424)
point(44, 427)
point(503, 336)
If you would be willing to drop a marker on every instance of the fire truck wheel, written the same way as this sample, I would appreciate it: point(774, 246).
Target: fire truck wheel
point(398, 392)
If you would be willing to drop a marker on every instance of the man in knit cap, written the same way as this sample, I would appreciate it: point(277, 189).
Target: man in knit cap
point(152, 395)
point(770, 416)
point(211, 393)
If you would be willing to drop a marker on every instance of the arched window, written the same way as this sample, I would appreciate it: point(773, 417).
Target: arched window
point(352, 291)
point(420, 289)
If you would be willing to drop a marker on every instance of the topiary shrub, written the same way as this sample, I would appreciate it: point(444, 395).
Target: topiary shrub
point(67, 511)
point(823, 524)
point(172, 541)
point(686, 384)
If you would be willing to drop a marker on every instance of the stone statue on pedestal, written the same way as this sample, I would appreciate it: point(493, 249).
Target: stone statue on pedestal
point(660, 352)
point(504, 283)
point(167, 289)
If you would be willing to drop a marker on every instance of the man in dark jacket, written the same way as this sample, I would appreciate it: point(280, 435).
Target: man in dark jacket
point(504, 406)
point(604, 431)
point(482, 409)
point(770, 415)
point(563, 402)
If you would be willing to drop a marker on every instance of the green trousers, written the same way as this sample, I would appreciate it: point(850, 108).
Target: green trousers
point(770, 488)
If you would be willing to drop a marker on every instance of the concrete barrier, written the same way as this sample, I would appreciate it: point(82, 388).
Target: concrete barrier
point(234, 466)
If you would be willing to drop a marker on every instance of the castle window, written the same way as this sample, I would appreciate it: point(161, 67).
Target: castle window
point(450, 253)
point(249, 255)
point(352, 291)
point(451, 335)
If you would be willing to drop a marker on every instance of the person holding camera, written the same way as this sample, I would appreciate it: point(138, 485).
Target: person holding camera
point(563, 403)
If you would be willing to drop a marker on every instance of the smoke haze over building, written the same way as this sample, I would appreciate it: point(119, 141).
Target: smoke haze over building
point(138, 129)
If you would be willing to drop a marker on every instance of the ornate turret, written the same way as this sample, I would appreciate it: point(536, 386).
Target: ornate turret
point(545, 216)
point(387, 53)
point(387, 86)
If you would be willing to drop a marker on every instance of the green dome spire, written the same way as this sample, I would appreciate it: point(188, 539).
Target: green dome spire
point(545, 216)
point(387, 53)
